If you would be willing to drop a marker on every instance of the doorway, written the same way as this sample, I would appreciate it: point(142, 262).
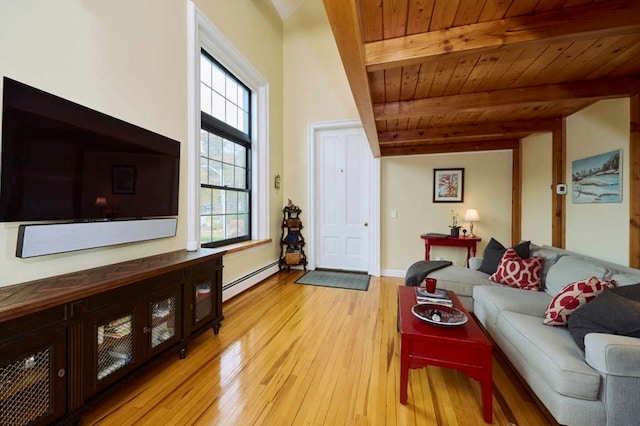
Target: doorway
point(344, 190)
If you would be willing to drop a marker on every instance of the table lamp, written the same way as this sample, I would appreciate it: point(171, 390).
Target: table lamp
point(471, 216)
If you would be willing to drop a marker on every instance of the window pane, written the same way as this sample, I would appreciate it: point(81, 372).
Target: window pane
point(240, 177)
point(232, 115)
point(246, 123)
point(205, 201)
point(205, 70)
point(243, 202)
point(241, 156)
point(229, 152)
point(217, 201)
point(232, 226)
point(218, 107)
point(204, 143)
point(204, 170)
point(243, 225)
point(215, 147)
point(232, 90)
point(218, 228)
point(232, 202)
point(219, 79)
point(205, 99)
point(215, 173)
point(228, 178)
point(244, 101)
point(205, 229)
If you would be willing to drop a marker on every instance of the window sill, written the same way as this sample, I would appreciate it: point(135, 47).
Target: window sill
point(245, 245)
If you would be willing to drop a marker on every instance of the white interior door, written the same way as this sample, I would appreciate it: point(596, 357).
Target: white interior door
point(343, 163)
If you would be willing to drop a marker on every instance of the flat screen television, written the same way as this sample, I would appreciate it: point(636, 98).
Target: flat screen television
point(64, 161)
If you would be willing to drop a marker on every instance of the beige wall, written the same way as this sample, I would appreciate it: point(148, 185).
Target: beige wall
point(407, 187)
point(315, 90)
point(129, 60)
point(601, 229)
point(536, 189)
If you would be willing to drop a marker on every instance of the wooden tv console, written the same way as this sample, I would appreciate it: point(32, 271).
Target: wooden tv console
point(66, 340)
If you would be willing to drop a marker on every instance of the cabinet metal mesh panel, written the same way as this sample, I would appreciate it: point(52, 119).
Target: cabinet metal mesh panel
point(115, 346)
point(163, 321)
point(204, 301)
point(24, 389)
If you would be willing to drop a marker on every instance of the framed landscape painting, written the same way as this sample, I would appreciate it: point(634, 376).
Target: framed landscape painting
point(597, 179)
point(448, 185)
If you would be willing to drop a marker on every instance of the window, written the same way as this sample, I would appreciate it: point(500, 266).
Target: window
point(225, 156)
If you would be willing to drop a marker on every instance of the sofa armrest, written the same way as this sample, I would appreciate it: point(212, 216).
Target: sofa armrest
point(612, 354)
point(475, 262)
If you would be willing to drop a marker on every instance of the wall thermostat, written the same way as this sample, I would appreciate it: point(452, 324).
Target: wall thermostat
point(561, 189)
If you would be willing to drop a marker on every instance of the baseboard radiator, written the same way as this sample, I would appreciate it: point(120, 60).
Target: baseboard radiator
point(243, 283)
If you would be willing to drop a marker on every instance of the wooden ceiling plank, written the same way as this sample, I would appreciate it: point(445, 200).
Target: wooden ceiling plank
point(618, 58)
point(449, 147)
point(468, 12)
point(529, 96)
point(392, 84)
point(547, 5)
point(495, 10)
point(394, 15)
point(521, 7)
point(499, 68)
point(371, 16)
point(461, 74)
point(419, 16)
point(414, 122)
point(563, 64)
point(425, 80)
point(444, 12)
point(345, 25)
point(409, 82)
point(593, 21)
point(519, 67)
point(549, 54)
point(469, 131)
point(444, 72)
point(376, 82)
point(478, 73)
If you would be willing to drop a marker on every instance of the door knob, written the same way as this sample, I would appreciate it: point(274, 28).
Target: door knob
point(366, 224)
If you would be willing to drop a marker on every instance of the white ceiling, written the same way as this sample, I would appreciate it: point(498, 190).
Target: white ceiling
point(286, 7)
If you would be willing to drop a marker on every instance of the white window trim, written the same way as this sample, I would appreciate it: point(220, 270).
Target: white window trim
point(202, 34)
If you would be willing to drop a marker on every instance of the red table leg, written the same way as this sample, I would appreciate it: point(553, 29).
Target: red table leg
point(404, 371)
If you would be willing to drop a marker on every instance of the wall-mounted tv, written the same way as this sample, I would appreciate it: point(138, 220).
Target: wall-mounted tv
point(64, 161)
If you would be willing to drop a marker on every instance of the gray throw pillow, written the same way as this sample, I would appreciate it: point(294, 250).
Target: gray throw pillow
point(495, 250)
point(609, 313)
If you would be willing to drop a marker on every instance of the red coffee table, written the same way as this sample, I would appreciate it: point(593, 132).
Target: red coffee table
point(463, 348)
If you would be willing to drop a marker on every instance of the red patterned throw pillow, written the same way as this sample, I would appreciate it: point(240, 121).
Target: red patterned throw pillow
point(517, 272)
point(572, 297)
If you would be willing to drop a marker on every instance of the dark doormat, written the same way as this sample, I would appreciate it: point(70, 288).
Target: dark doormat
point(349, 280)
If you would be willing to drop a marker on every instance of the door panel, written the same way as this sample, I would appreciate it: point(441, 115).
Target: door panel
point(343, 199)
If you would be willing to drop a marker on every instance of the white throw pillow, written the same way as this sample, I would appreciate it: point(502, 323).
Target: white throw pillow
point(569, 269)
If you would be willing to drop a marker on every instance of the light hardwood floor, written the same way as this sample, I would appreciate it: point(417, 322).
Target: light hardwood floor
point(291, 354)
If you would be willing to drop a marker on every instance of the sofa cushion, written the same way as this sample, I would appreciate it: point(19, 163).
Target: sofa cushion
point(489, 301)
point(569, 269)
point(495, 250)
point(551, 353)
point(459, 279)
point(610, 313)
point(517, 272)
point(572, 297)
point(550, 258)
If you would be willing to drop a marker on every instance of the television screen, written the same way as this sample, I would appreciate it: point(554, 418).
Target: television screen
point(64, 161)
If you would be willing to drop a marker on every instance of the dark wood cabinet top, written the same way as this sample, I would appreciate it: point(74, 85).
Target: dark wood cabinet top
point(33, 296)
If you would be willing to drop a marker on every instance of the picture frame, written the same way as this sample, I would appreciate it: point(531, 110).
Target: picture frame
point(448, 185)
point(123, 179)
point(597, 179)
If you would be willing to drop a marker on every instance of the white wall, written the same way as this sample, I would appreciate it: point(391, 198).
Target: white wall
point(536, 189)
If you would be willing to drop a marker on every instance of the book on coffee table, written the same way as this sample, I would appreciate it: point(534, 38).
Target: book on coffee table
point(439, 296)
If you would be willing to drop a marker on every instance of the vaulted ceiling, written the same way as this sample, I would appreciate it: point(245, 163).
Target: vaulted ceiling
point(434, 76)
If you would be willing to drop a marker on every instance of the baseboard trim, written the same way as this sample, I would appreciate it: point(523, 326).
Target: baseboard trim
point(394, 273)
point(241, 284)
point(53, 238)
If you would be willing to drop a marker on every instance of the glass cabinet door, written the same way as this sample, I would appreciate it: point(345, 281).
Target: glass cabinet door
point(204, 301)
point(115, 345)
point(163, 320)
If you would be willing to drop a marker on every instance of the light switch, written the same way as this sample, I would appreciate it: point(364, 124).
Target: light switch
point(394, 214)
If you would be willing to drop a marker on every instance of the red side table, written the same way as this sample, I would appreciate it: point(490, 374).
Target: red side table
point(433, 240)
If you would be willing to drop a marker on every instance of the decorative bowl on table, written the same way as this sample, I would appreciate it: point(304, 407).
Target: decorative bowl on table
point(439, 314)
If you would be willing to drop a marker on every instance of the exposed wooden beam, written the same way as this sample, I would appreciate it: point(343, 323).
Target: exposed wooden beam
point(446, 147)
point(516, 194)
point(634, 184)
point(558, 175)
point(343, 17)
point(469, 131)
point(519, 97)
point(607, 18)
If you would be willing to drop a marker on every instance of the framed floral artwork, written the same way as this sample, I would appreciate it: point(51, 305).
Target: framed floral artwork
point(448, 185)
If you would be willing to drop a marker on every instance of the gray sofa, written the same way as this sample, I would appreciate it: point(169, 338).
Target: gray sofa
point(597, 386)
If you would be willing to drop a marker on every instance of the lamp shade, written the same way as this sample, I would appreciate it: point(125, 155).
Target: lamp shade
point(471, 215)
